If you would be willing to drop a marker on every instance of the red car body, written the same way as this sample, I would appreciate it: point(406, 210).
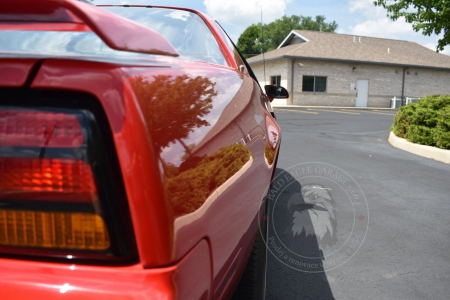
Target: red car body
point(172, 124)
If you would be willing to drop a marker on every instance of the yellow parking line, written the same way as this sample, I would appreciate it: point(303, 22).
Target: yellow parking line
point(300, 111)
point(372, 111)
point(348, 110)
point(335, 111)
point(379, 113)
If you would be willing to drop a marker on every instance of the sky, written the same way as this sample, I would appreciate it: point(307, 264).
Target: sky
point(355, 17)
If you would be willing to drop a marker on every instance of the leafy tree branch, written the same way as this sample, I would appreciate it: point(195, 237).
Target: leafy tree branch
point(428, 16)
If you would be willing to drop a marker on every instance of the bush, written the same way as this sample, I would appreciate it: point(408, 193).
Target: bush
point(442, 133)
point(426, 122)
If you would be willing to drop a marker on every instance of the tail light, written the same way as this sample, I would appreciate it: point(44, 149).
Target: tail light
point(61, 193)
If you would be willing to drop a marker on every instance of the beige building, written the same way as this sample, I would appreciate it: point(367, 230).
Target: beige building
point(321, 68)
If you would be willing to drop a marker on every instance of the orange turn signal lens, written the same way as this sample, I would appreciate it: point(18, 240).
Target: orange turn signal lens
point(82, 231)
point(46, 179)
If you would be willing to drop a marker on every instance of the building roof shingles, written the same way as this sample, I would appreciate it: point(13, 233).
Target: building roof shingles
point(342, 47)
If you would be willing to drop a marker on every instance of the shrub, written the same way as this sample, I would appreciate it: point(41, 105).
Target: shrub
point(426, 122)
point(402, 120)
point(420, 135)
point(442, 133)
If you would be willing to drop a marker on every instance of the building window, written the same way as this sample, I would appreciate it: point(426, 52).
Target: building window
point(314, 84)
point(275, 80)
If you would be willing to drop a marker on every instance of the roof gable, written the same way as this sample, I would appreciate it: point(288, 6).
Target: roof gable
point(293, 38)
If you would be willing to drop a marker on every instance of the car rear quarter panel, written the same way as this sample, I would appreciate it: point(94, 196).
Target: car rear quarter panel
point(193, 146)
point(209, 126)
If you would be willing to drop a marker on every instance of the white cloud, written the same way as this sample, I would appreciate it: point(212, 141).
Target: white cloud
point(432, 46)
point(382, 27)
point(367, 8)
point(246, 12)
point(375, 23)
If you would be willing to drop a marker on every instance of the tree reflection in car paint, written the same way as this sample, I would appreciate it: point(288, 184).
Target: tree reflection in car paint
point(178, 105)
point(198, 181)
point(173, 116)
point(272, 140)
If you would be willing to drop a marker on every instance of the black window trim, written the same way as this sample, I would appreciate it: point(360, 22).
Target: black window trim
point(276, 77)
point(314, 84)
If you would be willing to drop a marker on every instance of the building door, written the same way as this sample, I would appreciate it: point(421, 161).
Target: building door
point(362, 95)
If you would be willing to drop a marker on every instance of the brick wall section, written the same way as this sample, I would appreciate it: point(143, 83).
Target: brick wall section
point(275, 68)
point(384, 82)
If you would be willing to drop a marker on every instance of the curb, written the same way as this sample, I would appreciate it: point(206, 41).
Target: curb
point(333, 107)
point(422, 150)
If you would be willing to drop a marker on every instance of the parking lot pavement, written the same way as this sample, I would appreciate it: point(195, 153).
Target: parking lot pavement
point(390, 243)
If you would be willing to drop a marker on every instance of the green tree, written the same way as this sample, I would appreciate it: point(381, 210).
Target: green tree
point(255, 39)
point(428, 16)
point(249, 42)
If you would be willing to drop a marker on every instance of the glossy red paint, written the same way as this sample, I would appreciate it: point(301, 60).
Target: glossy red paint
point(15, 71)
point(171, 121)
point(22, 280)
point(46, 27)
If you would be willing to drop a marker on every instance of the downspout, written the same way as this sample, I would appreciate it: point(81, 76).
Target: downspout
point(291, 100)
point(403, 86)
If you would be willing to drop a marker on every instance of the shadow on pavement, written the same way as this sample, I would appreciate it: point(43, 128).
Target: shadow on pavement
point(289, 273)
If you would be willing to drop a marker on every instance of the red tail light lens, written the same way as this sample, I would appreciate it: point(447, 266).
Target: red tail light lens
point(46, 179)
point(39, 129)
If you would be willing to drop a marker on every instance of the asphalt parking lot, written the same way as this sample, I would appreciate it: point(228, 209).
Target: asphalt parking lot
point(382, 231)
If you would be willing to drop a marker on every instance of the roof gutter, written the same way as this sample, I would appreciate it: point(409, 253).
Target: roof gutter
point(353, 61)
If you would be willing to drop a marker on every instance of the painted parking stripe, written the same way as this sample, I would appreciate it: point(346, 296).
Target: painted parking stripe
point(299, 111)
point(335, 111)
point(373, 111)
point(350, 110)
point(380, 113)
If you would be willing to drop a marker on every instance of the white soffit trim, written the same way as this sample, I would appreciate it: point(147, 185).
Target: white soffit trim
point(290, 36)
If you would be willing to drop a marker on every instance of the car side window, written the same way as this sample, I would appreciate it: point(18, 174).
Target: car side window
point(186, 31)
point(238, 58)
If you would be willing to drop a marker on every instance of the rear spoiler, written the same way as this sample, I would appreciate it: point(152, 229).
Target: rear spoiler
point(116, 32)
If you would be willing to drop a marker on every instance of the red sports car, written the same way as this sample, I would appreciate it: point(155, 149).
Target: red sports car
point(136, 150)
